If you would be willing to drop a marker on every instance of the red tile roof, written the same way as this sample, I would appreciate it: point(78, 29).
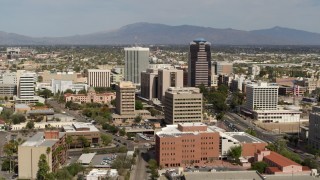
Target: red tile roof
point(280, 160)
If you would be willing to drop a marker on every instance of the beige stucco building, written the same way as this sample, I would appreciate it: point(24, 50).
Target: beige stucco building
point(183, 105)
point(50, 143)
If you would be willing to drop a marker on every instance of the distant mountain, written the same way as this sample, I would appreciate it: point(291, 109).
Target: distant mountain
point(148, 33)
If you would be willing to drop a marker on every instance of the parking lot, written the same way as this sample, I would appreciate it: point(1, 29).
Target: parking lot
point(103, 160)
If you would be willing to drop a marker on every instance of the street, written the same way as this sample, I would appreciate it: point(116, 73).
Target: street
point(140, 169)
point(62, 109)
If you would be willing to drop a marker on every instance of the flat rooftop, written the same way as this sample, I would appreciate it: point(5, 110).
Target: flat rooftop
point(86, 158)
point(243, 137)
point(244, 175)
point(39, 140)
point(173, 131)
point(76, 127)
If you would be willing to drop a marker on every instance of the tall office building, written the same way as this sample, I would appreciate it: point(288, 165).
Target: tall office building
point(199, 65)
point(183, 105)
point(149, 87)
point(314, 127)
point(125, 98)
point(136, 60)
point(262, 96)
point(99, 77)
point(26, 86)
point(168, 77)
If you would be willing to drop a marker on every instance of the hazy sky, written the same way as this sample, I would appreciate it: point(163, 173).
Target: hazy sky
point(70, 17)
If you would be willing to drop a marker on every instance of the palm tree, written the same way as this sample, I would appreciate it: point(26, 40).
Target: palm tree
point(48, 152)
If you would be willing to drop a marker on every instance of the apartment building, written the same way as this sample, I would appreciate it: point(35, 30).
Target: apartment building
point(183, 105)
point(26, 88)
point(99, 77)
point(50, 143)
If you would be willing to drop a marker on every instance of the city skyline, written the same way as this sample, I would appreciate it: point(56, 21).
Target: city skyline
point(63, 18)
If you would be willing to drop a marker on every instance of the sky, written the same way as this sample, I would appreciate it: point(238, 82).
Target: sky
point(52, 18)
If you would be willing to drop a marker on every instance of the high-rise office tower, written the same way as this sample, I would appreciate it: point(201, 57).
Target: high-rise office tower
point(99, 78)
point(168, 77)
point(136, 60)
point(183, 105)
point(199, 65)
point(262, 96)
point(26, 86)
point(149, 87)
point(125, 98)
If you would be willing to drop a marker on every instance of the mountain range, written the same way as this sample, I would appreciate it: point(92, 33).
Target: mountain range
point(150, 33)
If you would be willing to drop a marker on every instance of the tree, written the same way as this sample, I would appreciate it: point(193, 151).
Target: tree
point(251, 131)
point(235, 152)
point(311, 163)
point(46, 93)
point(122, 131)
point(153, 166)
point(6, 114)
point(259, 166)
point(40, 78)
point(39, 104)
point(83, 141)
point(137, 119)
point(68, 91)
point(48, 150)
point(138, 105)
point(106, 139)
point(30, 125)
point(82, 91)
point(18, 118)
point(43, 168)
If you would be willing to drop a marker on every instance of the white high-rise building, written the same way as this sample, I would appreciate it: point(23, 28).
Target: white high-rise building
point(136, 60)
point(262, 96)
point(99, 77)
point(26, 86)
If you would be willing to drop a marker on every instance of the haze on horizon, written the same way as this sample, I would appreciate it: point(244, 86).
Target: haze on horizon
point(39, 18)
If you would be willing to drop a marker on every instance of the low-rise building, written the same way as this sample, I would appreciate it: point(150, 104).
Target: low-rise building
point(186, 144)
point(98, 174)
point(87, 130)
point(90, 97)
point(50, 143)
point(279, 164)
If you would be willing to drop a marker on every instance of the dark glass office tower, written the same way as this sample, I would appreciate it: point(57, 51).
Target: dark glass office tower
point(199, 64)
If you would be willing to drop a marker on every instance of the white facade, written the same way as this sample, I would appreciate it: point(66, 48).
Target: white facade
point(26, 86)
point(98, 174)
point(254, 70)
point(61, 86)
point(99, 77)
point(8, 78)
point(277, 116)
point(262, 96)
point(136, 60)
